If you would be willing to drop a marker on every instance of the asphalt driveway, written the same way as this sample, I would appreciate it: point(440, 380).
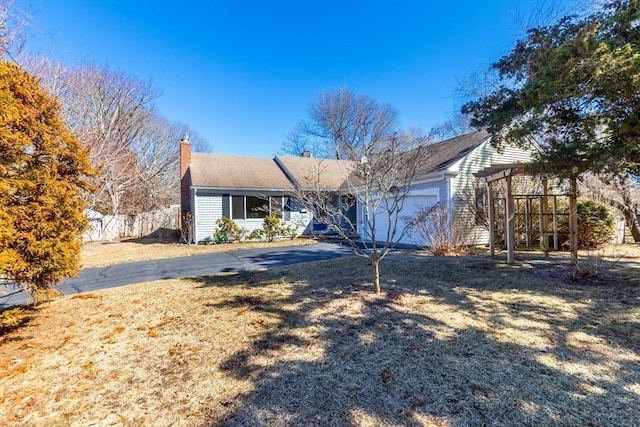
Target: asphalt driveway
point(92, 279)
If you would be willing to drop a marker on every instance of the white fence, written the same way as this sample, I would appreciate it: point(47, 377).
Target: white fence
point(163, 224)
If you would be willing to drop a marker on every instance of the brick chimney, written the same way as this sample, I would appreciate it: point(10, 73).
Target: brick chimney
point(185, 174)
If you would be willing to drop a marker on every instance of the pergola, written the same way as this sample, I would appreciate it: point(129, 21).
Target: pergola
point(506, 171)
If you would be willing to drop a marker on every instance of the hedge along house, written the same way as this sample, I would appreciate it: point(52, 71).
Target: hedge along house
point(246, 189)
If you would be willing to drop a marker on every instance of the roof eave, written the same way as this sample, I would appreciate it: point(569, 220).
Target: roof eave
point(238, 189)
point(434, 176)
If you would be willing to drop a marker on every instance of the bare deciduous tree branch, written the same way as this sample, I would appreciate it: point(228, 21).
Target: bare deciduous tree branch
point(378, 165)
point(133, 146)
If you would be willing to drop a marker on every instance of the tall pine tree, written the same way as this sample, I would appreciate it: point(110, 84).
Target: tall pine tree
point(574, 88)
point(42, 178)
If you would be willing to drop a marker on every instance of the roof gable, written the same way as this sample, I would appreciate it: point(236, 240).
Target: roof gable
point(440, 156)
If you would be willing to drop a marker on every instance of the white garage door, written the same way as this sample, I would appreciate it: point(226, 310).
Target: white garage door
point(412, 204)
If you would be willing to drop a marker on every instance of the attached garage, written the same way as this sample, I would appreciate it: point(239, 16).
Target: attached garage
point(412, 204)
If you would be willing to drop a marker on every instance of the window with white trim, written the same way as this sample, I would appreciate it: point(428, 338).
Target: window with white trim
point(253, 207)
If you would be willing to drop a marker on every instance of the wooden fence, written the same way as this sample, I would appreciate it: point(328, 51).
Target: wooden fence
point(163, 224)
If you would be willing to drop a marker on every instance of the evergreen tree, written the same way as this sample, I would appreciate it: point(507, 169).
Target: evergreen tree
point(42, 178)
point(574, 88)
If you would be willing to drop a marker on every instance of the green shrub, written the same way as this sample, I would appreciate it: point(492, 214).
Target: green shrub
point(595, 224)
point(273, 227)
point(229, 231)
point(255, 235)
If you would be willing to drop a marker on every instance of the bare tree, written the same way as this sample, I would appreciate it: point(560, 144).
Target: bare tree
point(108, 110)
point(297, 143)
point(547, 12)
point(456, 125)
point(377, 186)
point(381, 165)
point(341, 124)
point(157, 179)
point(380, 185)
point(13, 24)
point(133, 146)
point(621, 193)
point(52, 74)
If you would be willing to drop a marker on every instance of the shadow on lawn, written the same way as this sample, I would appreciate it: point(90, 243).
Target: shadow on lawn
point(280, 258)
point(15, 318)
point(161, 235)
point(364, 359)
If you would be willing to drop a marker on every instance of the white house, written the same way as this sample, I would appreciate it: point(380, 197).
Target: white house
point(246, 189)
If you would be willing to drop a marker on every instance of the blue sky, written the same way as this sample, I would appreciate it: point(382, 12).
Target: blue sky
point(242, 73)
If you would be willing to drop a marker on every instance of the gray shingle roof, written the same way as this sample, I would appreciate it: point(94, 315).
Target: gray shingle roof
point(314, 173)
point(229, 172)
point(219, 171)
point(439, 156)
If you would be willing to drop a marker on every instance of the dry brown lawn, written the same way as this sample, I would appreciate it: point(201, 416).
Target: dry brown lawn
point(102, 254)
point(462, 341)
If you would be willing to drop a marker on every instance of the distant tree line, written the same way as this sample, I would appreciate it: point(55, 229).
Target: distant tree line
point(73, 138)
point(133, 147)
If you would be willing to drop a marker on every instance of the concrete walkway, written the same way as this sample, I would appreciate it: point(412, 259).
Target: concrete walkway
point(92, 279)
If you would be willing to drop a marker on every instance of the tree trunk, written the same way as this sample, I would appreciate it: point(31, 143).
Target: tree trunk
point(573, 220)
point(375, 265)
point(629, 216)
point(625, 208)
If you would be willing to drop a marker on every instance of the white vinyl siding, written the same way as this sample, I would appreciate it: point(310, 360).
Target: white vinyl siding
point(208, 211)
point(439, 188)
point(484, 156)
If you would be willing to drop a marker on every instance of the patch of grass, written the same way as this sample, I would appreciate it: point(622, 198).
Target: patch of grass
point(450, 342)
point(85, 295)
